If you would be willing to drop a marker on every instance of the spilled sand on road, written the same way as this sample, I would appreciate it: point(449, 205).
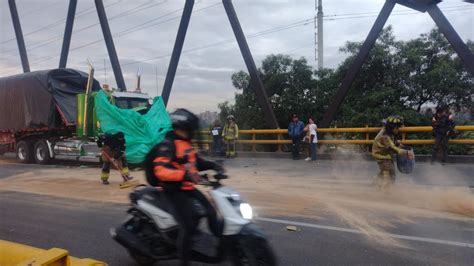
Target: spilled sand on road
point(356, 204)
point(276, 193)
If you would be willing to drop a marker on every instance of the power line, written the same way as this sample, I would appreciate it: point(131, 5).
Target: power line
point(399, 13)
point(121, 15)
point(253, 35)
point(257, 34)
point(375, 13)
point(125, 32)
point(78, 15)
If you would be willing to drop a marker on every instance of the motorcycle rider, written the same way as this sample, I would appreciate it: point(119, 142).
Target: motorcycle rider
point(174, 164)
point(385, 144)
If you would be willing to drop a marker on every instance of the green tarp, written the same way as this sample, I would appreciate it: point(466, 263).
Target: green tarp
point(142, 132)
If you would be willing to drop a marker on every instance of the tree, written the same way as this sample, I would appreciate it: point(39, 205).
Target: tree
point(435, 73)
point(397, 78)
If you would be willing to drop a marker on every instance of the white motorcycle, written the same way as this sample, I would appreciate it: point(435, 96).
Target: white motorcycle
point(150, 231)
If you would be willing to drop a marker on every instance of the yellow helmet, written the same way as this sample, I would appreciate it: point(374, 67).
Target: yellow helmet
point(394, 121)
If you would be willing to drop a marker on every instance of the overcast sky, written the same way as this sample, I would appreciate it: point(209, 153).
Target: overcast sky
point(145, 31)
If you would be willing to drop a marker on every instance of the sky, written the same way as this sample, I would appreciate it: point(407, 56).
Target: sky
point(145, 30)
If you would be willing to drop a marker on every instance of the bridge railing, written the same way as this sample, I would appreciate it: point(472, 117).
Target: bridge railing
point(362, 136)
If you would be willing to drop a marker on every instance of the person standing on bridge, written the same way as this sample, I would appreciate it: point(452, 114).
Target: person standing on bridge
point(384, 146)
point(230, 133)
point(216, 133)
point(312, 128)
point(295, 131)
point(443, 128)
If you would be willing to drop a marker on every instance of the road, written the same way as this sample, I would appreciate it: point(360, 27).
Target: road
point(339, 231)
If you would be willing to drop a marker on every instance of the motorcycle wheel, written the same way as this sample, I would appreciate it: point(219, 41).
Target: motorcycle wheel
point(141, 260)
point(254, 252)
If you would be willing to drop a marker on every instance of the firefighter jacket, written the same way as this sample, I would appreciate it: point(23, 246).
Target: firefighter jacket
point(176, 164)
point(231, 132)
point(385, 146)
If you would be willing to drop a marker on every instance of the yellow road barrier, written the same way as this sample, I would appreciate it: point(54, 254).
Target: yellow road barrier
point(14, 254)
point(364, 130)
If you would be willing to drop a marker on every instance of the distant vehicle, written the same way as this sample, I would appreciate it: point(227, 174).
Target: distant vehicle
point(50, 114)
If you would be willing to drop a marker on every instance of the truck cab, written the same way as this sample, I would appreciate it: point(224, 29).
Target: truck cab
point(136, 101)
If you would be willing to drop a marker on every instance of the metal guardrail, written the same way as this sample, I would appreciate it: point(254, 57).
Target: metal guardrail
point(280, 140)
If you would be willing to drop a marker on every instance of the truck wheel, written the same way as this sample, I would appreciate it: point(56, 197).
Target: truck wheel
point(24, 152)
point(41, 152)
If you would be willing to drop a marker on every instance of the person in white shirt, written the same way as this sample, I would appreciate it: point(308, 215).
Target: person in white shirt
point(313, 139)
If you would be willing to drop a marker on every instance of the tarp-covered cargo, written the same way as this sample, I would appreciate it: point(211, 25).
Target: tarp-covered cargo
point(41, 99)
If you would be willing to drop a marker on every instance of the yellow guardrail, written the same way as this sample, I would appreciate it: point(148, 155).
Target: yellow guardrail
point(280, 140)
point(22, 255)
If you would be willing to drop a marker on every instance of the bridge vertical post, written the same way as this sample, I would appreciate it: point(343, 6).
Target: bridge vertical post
point(450, 33)
point(178, 47)
point(67, 33)
point(260, 92)
point(254, 149)
point(357, 63)
point(109, 42)
point(19, 36)
point(279, 136)
point(366, 132)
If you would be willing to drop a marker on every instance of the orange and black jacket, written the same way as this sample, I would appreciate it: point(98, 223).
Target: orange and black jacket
point(174, 164)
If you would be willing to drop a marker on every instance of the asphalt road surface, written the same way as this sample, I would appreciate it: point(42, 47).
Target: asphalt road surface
point(82, 228)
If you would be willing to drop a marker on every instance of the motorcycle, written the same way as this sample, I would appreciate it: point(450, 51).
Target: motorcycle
point(150, 232)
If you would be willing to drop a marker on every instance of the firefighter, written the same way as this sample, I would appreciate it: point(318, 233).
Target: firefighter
point(230, 134)
point(113, 148)
point(385, 145)
point(443, 128)
point(174, 164)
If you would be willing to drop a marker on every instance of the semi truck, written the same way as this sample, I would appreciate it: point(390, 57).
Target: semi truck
point(50, 114)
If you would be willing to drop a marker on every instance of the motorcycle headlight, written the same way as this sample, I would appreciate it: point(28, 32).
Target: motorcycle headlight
point(246, 211)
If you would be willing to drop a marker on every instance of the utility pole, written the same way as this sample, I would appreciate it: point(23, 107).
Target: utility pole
point(319, 54)
point(315, 32)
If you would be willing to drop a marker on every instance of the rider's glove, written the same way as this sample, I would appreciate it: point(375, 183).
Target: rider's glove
point(190, 177)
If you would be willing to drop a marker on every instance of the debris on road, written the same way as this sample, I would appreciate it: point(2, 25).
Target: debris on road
point(292, 228)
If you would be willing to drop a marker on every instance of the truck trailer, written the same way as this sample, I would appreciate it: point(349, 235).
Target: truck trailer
point(50, 114)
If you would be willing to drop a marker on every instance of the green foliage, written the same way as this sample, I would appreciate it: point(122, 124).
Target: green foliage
point(399, 77)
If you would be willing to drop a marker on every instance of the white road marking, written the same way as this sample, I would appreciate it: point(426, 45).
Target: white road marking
point(348, 230)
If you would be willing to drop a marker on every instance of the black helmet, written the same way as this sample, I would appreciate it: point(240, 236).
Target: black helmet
point(185, 120)
point(394, 121)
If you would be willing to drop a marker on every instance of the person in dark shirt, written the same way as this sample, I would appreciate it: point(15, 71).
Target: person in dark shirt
point(216, 133)
point(295, 131)
point(443, 128)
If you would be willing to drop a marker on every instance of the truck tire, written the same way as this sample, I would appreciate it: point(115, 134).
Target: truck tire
point(24, 151)
point(41, 152)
